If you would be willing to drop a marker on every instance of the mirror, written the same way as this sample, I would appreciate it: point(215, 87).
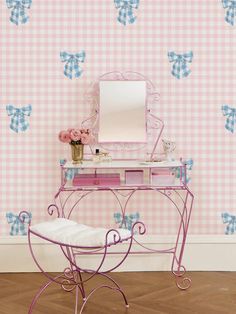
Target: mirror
point(122, 112)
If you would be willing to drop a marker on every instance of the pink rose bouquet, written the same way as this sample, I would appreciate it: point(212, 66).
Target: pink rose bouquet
point(76, 136)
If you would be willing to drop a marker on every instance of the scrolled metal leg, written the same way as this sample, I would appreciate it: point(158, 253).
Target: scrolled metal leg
point(177, 268)
point(182, 282)
point(40, 291)
point(104, 286)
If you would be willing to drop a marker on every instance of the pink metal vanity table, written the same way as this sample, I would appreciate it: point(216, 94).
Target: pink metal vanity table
point(177, 192)
point(135, 174)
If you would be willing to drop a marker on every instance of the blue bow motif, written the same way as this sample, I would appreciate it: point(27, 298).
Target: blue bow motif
point(126, 7)
point(231, 221)
point(18, 14)
point(70, 173)
point(230, 5)
point(230, 113)
point(17, 225)
point(62, 162)
point(127, 221)
point(18, 122)
point(189, 166)
point(180, 68)
point(72, 67)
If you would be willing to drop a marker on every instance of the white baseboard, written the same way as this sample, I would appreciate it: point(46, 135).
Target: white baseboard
point(202, 253)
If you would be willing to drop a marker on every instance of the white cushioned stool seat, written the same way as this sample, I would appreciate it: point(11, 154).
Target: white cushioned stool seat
point(68, 232)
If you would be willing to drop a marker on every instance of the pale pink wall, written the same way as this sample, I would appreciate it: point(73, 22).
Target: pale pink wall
point(31, 72)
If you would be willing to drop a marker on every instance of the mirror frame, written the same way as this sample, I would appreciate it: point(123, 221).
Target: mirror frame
point(154, 125)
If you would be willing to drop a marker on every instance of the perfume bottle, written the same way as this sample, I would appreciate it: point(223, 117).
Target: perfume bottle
point(96, 157)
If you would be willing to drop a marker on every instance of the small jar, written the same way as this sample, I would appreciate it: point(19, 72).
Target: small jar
point(106, 157)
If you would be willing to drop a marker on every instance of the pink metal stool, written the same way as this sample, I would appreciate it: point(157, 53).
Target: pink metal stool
point(75, 240)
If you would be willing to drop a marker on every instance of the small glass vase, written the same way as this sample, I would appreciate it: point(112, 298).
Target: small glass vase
point(77, 153)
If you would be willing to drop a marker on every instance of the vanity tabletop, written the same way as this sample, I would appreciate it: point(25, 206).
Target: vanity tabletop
point(86, 164)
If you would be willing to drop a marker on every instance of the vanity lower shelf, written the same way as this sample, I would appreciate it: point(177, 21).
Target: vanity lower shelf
point(124, 174)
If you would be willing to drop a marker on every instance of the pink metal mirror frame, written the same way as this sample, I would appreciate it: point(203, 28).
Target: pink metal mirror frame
point(154, 124)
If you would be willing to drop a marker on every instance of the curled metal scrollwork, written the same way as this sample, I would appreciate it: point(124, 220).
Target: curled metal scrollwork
point(153, 123)
point(180, 272)
point(68, 282)
point(183, 283)
point(140, 227)
point(113, 233)
point(52, 208)
point(23, 215)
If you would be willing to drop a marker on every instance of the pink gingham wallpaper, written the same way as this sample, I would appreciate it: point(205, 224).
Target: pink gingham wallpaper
point(31, 73)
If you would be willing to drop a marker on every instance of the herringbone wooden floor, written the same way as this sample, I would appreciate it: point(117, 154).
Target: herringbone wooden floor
point(147, 293)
